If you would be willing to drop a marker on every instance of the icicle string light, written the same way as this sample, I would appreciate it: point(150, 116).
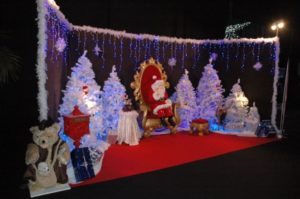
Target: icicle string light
point(103, 47)
point(121, 53)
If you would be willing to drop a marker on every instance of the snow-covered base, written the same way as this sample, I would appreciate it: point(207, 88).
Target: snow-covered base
point(70, 171)
point(45, 191)
point(223, 131)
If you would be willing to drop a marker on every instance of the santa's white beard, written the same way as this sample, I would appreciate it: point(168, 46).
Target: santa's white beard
point(159, 93)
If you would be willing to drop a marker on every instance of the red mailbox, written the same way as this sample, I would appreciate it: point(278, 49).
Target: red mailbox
point(76, 125)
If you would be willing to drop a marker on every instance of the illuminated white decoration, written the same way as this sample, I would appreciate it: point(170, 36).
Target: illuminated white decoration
point(186, 97)
point(41, 59)
point(257, 66)
point(213, 57)
point(97, 50)
point(53, 4)
point(172, 62)
point(83, 91)
point(231, 30)
point(236, 105)
point(209, 93)
point(124, 34)
point(60, 45)
point(113, 99)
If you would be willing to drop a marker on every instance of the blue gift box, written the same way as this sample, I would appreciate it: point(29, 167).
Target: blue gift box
point(265, 129)
point(82, 164)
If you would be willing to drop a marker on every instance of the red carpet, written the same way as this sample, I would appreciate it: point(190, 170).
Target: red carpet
point(163, 151)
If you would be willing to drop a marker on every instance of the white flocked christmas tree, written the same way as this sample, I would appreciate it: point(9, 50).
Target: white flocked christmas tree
point(209, 93)
point(236, 105)
point(252, 121)
point(186, 97)
point(113, 99)
point(83, 91)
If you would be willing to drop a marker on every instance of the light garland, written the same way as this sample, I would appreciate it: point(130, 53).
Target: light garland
point(166, 39)
point(274, 97)
point(41, 59)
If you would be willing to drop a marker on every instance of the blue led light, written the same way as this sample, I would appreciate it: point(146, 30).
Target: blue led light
point(130, 49)
point(103, 48)
point(243, 58)
point(121, 53)
point(163, 50)
point(194, 55)
point(115, 48)
point(227, 57)
point(182, 56)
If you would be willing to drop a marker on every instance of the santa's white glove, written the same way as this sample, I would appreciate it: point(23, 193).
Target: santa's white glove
point(169, 102)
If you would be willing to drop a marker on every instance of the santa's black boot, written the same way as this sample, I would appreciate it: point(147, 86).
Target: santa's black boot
point(171, 121)
point(163, 121)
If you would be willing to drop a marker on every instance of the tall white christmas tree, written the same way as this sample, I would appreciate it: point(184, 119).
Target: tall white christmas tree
point(209, 93)
point(113, 99)
point(236, 106)
point(186, 97)
point(83, 91)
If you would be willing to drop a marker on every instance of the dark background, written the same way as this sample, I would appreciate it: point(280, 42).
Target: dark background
point(187, 18)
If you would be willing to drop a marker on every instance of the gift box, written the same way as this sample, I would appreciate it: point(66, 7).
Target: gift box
point(95, 155)
point(265, 129)
point(82, 164)
point(76, 125)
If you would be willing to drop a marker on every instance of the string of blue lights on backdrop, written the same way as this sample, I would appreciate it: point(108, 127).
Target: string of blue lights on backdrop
point(62, 43)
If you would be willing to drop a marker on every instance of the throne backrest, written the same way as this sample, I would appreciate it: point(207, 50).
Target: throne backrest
point(143, 79)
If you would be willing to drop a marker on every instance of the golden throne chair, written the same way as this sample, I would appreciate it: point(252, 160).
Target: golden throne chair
point(151, 121)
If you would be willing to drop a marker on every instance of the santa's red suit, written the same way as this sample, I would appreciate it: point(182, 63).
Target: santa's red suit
point(157, 98)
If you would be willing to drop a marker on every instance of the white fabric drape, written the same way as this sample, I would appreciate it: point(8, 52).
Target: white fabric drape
point(128, 130)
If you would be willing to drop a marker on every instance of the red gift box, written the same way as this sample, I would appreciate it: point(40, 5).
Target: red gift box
point(76, 125)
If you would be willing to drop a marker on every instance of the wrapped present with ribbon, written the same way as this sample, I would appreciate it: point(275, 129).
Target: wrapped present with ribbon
point(82, 164)
point(265, 129)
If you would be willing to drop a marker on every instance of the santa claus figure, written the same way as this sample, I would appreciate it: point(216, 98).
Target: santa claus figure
point(160, 105)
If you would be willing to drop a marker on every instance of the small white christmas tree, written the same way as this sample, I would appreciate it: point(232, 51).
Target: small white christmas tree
point(83, 91)
point(209, 93)
point(186, 97)
point(113, 99)
point(252, 120)
point(236, 106)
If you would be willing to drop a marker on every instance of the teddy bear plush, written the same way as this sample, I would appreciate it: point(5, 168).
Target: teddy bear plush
point(47, 157)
